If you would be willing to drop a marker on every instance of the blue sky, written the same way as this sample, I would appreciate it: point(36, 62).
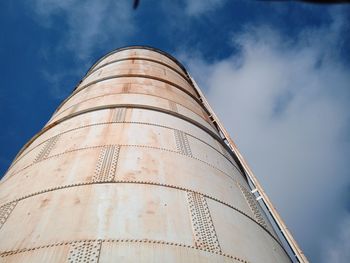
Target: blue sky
point(278, 75)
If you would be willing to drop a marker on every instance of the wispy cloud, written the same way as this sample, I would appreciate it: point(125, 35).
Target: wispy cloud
point(338, 249)
point(83, 28)
point(59, 82)
point(199, 7)
point(89, 24)
point(285, 101)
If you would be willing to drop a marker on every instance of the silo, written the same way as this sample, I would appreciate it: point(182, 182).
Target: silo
point(133, 167)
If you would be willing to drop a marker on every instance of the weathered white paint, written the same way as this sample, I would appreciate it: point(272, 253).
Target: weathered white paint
point(146, 179)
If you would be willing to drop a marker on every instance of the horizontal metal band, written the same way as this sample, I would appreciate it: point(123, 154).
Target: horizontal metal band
point(111, 94)
point(146, 183)
point(185, 77)
point(197, 99)
point(139, 47)
point(126, 240)
point(140, 123)
point(138, 76)
point(211, 133)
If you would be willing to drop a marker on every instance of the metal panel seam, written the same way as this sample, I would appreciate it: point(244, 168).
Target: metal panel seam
point(129, 122)
point(178, 115)
point(124, 145)
point(146, 183)
point(161, 242)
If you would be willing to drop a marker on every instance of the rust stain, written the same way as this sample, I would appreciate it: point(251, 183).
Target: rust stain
point(44, 202)
point(129, 176)
point(77, 201)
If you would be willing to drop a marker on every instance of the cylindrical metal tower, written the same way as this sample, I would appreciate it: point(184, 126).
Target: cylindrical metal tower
point(133, 167)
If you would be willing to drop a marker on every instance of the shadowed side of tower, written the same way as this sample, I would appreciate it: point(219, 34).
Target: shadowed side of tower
point(132, 168)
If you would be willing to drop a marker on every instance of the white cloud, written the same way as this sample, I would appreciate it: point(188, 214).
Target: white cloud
point(285, 102)
point(338, 250)
point(59, 82)
point(198, 7)
point(89, 24)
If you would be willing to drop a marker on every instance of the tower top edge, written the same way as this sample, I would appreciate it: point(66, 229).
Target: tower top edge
point(138, 47)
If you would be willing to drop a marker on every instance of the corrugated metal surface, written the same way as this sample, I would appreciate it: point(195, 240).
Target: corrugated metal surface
point(130, 168)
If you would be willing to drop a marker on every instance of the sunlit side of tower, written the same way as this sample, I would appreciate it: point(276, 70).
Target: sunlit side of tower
point(132, 167)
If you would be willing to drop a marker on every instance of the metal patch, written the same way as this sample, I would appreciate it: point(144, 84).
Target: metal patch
point(46, 148)
point(107, 164)
point(253, 205)
point(204, 230)
point(172, 106)
point(119, 115)
point(5, 212)
point(182, 143)
point(85, 251)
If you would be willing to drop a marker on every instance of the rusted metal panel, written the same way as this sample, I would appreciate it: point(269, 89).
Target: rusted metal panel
point(243, 237)
point(137, 67)
point(131, 115)
point(79, 121)
point(171, 95)
point(125, 163)
point(115, 70)
point(135, 99)
point(67, 169)
point(132, 167)
point(108, 116)
point(138, 64)
point(139, 54)
point(135, 79)
point(52, 253)
point(168, 92)
point(99, 211)
point(142, 61)
point(105, 134)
